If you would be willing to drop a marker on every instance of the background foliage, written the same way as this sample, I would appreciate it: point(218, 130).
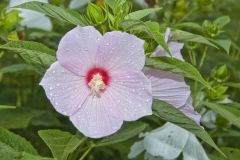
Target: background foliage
point(32, 130)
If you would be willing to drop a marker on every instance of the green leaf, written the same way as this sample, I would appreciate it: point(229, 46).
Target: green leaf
point(224, 44)
point(59, 13)
point(33, 53)
point(176, 66)
point(128, 131)
point(137, 15)
point(228, 112)
point(190, 37)
point(7, 107)
point(15, 142)
point(151, 28)
point(232, 154)
point(190, 25)
point(17, 68)
point(222, 21)
point(233, 84)
point(17, 118)
point(173, 115)
point(61, 143)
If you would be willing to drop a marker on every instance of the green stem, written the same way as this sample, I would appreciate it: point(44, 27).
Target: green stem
point(203, 57)
point(87, 151)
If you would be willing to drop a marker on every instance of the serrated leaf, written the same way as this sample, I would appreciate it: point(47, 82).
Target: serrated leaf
point(16, 142)
point(61, 143)
point(151, 28)
point(128, 131)
point(172, 114)
point(176, 66)
point(137, 15)
point(59, 13)
point(190, 37)
point(228, 112)
point(33, 53)
point(17, 118)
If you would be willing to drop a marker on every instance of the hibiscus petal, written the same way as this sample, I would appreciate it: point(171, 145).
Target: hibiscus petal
point(167, 141)
point(188, 110)
point(98, 117)
point(65, 90)
point(168, 87)
point(77, 49)
point(132, 94)
point(174, 47)
point(120, 51)
point(193, 150)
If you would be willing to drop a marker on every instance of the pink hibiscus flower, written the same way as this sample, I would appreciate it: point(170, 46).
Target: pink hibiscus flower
point(170, 87)
point(97, 80)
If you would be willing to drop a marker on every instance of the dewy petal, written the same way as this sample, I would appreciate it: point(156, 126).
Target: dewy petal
point(131, 91)
point(65, 90)
point(77, 49)
point(120, 51)
point(188, 110)
point(98, 117)
point(167, 141)
point(168, 87)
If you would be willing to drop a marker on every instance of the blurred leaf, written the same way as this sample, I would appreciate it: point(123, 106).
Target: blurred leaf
point(17, 118)
point(33, 53)
point(59, 13)
point(224, 44)
point(232, 84)
point(128, 131)
point(137, 15)
point(232, 154)
point(222, 21)
point(190, 37)
point(16, 68)
point(15, 142)
point(7, 107)
point(230, 113)
point(61, 143)
point(172, 114)
point(190, 25)
point(176, 66)
point(151, 28)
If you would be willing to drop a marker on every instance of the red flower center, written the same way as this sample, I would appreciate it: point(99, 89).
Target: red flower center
point(98, 71)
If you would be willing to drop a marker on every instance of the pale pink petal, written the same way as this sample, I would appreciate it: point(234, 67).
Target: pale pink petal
point(65, 90)
point(188, 110)
point(98, 117)
point(168, 87)
point(120, 51)
point(77, 49)
point(131, 91)
point(174, 47)
point(167, 35)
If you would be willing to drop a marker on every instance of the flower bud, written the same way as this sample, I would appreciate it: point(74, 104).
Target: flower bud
point(210, 29)
point(220, 74)
point(11, 20)
point(95, 14)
